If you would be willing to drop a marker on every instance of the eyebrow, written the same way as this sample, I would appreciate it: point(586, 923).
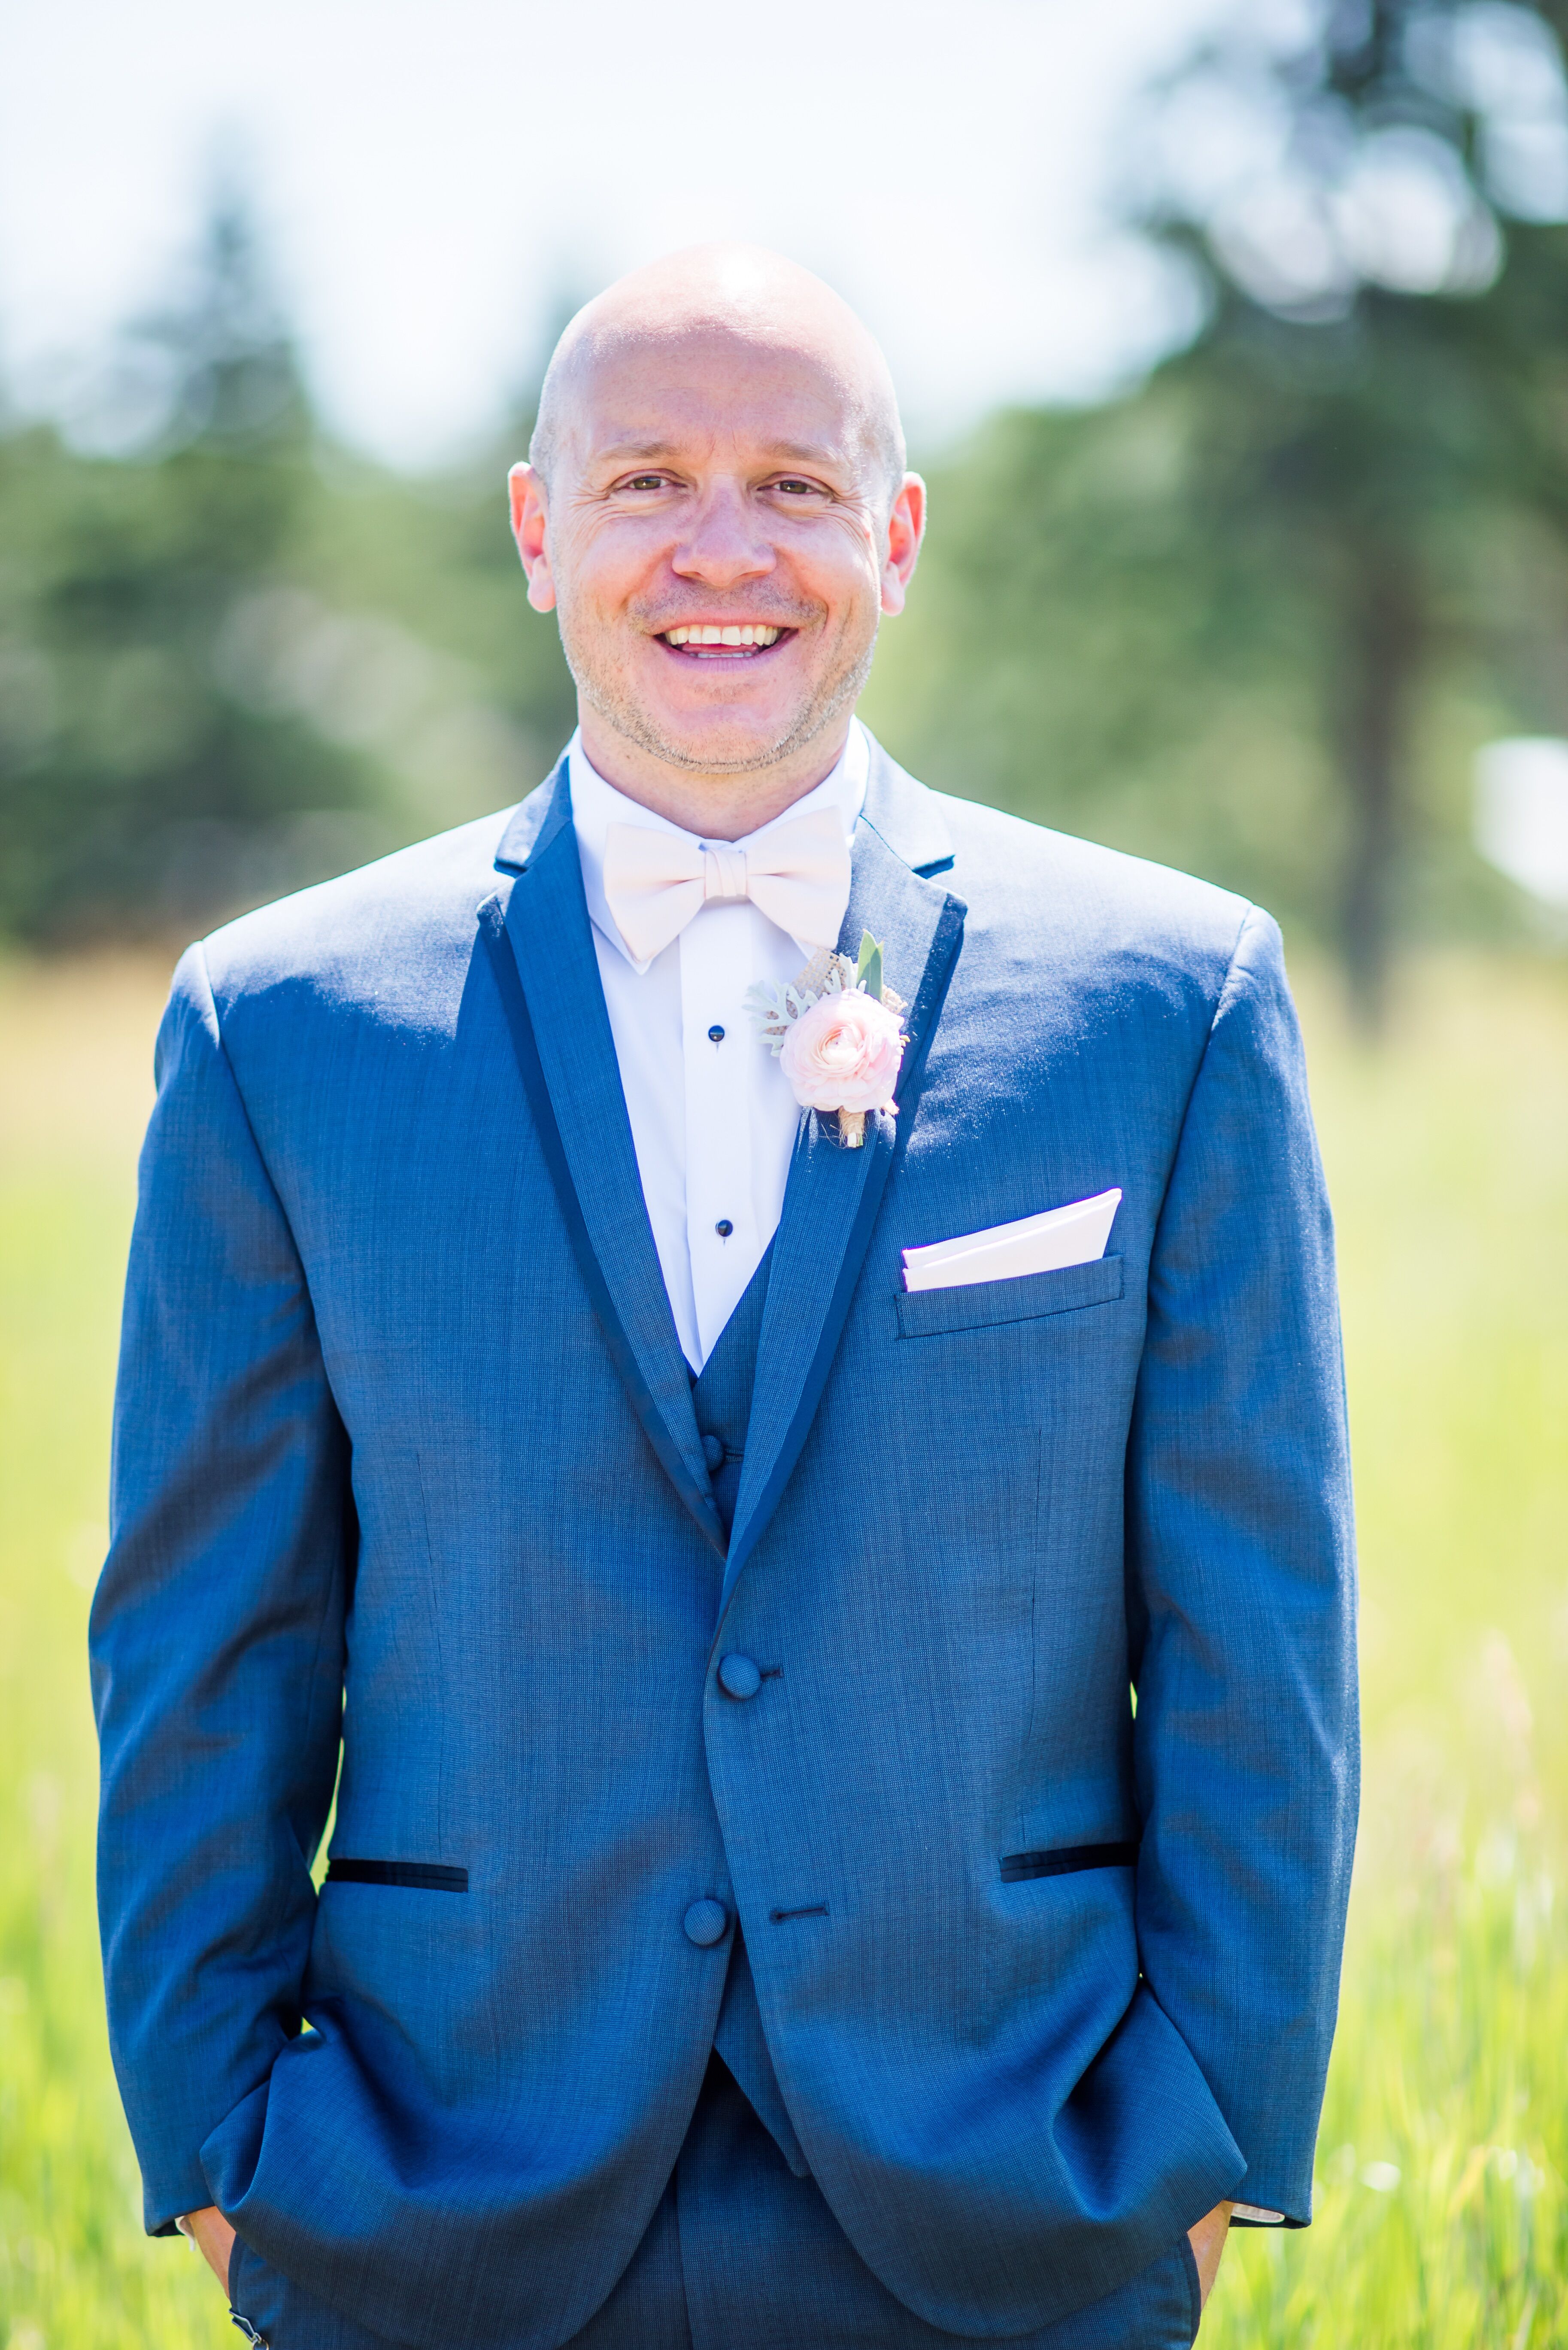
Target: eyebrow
point(810, 452)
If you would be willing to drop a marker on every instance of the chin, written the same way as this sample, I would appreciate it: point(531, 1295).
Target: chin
point(719, 743)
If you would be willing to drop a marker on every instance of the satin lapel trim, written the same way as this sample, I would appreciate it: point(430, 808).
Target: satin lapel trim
point(542, 952)
point(833, 1195)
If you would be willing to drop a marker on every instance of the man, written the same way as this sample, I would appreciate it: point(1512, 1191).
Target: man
point(847, 1759)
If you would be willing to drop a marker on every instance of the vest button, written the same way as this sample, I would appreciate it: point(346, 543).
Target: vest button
point(739, 1677)
point(706, 1922)
point(714, 1452)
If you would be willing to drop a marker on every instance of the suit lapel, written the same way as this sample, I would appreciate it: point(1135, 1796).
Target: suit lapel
point(542, 951)
point(833, 1196)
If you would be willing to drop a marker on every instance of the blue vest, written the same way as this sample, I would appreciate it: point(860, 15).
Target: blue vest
point(723, 1397)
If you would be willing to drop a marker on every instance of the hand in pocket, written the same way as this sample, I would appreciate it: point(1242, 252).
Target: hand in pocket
point(213, 2238)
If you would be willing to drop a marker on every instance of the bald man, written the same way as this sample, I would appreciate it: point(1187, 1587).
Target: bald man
point(743, 1359)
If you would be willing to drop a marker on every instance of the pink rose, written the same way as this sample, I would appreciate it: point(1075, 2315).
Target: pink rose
point(843, 1054)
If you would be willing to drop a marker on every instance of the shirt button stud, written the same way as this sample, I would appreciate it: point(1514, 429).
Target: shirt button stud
point(723, 1228)
point(739, 1677)
point(715, 1034)
point(706, 1922)
point(714, 1452)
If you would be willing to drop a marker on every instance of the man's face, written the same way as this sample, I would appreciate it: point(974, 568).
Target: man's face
point(708, 484)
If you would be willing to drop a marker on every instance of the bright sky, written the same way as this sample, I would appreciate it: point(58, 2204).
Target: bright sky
point(433, 178)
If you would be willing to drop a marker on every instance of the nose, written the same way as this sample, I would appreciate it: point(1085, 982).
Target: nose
point(726, 540)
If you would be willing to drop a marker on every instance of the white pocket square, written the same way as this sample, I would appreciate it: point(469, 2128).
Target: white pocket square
point(1075, 1234)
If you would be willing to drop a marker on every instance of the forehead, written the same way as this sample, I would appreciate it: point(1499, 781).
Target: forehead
point(660, 395)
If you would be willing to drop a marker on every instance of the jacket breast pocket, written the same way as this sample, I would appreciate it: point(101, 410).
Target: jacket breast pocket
point(987, 1305)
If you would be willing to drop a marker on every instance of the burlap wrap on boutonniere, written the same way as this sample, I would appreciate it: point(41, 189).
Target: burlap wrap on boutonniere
point(837, 1035)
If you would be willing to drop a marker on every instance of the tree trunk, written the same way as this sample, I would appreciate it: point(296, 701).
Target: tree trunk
point(1380, 658)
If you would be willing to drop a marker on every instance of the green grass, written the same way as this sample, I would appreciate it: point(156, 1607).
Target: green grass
point(1443, 2166)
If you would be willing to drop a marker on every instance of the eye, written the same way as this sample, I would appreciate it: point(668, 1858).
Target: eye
point(646, 481)
point(794, 487)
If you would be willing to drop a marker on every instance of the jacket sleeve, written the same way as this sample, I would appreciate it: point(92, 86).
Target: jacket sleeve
point(217, 1629)
point(1240, 1591)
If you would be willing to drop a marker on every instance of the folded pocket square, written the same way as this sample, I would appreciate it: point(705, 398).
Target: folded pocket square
point(1075, 1234)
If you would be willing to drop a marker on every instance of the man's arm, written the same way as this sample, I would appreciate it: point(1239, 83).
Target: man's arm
point(217, 1631)
point(1240, 1591)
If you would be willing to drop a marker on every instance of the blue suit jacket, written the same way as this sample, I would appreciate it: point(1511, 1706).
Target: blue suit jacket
point(406, 1458)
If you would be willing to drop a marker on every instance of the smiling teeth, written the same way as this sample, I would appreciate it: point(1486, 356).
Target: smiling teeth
point(710, 636)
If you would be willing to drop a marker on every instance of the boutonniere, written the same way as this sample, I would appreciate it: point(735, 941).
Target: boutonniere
point(836, 1033)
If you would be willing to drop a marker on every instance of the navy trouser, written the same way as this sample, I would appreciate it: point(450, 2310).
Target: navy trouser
point(741, 2255)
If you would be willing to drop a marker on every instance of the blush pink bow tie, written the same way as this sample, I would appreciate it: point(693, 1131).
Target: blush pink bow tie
point(798, 877)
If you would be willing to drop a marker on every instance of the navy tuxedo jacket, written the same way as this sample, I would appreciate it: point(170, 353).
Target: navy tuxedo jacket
point(1039, 1824)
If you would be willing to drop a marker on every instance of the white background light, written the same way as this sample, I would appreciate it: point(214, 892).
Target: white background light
point(1522, 814)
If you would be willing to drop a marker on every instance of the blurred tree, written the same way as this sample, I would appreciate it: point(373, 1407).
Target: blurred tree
point(1383, 376)
point(235, 658)
point(437, 556)
point(1346, 496)
point(137, 786)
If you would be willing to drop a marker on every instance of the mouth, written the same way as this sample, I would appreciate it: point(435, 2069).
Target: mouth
point(728, 640)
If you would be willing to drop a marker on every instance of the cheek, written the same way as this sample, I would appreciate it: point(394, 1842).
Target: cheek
point(836, 564)
point(601, 571)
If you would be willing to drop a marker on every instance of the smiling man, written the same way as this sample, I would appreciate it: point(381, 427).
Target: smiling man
point(754, 1350)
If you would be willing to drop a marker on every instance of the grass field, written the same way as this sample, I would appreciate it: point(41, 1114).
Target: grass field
point(1443, 2166)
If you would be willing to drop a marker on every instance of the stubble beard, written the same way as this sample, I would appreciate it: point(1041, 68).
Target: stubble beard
point(607, 695)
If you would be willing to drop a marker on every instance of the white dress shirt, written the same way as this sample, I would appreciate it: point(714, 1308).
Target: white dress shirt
point(712, 1116)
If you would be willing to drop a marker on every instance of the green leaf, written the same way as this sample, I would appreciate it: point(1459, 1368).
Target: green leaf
point(869, 974)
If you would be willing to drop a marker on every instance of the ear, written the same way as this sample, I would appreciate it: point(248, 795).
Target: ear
point(905, 528)
point(529, 521)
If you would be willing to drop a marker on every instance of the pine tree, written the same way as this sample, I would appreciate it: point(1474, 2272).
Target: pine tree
point(1379, 391)
point(141, 788)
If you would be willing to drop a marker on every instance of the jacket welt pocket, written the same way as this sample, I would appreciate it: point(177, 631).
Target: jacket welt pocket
point(1067, 1860)
point(985, 1304)
point(420, 1876)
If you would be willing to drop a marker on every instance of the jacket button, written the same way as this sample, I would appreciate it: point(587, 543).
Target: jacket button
point(706, 1922)
point(739, 1677)
point(714, 1452)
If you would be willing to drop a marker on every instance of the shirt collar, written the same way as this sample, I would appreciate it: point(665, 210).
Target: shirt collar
point(596, 805)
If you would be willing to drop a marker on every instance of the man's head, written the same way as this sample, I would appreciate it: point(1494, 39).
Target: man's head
point(718, 448)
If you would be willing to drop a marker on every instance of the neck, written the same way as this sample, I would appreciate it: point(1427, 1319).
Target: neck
point(714, 806)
